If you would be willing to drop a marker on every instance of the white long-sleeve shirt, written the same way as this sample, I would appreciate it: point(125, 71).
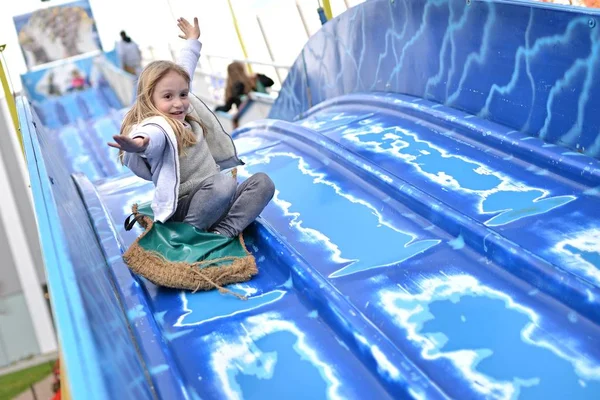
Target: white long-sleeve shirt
point(160, 161)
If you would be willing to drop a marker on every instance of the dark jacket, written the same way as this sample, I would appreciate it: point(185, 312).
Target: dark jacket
point(238, 92)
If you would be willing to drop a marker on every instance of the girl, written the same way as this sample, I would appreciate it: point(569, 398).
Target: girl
point(239, 84)
point(174, 140)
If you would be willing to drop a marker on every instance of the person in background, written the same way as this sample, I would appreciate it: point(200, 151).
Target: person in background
point(78, 82)
point(129, 54)
point(53, 89)
point(239, 84)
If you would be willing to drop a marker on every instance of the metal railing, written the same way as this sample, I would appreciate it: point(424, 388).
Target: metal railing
point(215, 71)
point(247, 61)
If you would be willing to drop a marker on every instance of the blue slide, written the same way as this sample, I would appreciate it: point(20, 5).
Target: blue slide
point(433, 234)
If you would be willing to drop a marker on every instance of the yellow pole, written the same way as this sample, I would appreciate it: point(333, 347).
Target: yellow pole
point(65, 393)
point(327, 8)
point(10, 100)
point(239, 34)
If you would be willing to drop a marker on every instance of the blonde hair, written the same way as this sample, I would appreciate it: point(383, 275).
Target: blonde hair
point(144, 108)
point(236, 72)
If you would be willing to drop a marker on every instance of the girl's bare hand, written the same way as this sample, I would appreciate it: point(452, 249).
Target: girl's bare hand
point(130, 145)
point(189, 31)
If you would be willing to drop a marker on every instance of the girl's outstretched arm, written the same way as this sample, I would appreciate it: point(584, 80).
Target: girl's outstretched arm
point(130, 144)
point(144, 148)
point(190, 53)
point(146, 140)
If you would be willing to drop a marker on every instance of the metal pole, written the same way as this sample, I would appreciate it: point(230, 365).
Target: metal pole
point(33, 392)
point(65, 388)
point(327, 8)
point(171, 10)
point(10, 100)
point(262, 31)
point(210, 66)
point(303, 20)
point(239, 34)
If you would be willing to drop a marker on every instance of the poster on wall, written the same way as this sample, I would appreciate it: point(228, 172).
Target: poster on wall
point(56, 33)
point(58, 79)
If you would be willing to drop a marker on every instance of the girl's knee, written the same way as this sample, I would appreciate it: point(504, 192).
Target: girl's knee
point(265, 184)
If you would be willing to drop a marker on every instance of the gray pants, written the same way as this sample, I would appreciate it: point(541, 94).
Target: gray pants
point(219, 204)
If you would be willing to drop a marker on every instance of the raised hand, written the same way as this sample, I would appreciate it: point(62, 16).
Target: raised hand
point(130, 145)
point(189, 31)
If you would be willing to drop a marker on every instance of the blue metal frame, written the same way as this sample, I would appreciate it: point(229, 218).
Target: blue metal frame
point(76, 343)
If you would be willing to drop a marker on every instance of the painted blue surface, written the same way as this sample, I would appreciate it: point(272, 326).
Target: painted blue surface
point(280, 324)
point(433, 232)
point(526, 65)
point(530, 205)
point(82, 123)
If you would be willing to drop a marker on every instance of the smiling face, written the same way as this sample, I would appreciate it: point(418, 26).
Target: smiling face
point(171, 95)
